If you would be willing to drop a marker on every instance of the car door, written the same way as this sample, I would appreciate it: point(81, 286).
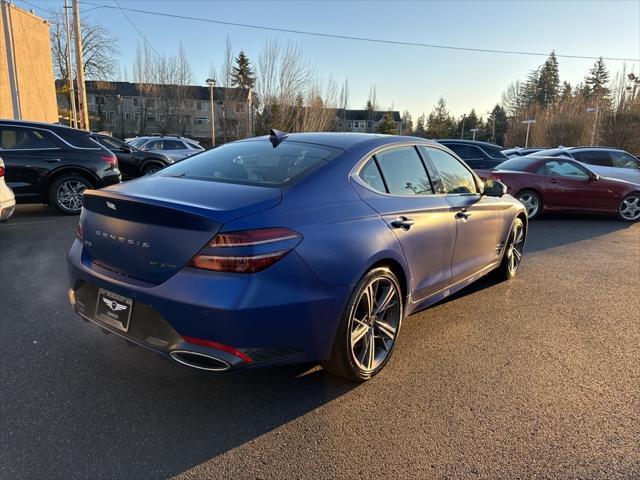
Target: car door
point(176, 149)
point(477, 216)
point(625, 166)
point(400, 190)
point(569, 186)
point(29, 154)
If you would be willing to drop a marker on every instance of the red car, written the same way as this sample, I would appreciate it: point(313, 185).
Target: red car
point(557, 184)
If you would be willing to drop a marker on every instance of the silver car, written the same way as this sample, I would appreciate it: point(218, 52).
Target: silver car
point(605, 161)
point(175, 148)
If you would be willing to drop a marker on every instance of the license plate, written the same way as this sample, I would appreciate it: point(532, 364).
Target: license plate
point(114, 309)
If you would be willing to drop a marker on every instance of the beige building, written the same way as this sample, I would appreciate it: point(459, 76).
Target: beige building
point(27, 86)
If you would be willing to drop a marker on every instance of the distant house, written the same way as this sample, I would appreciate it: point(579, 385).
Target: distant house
point(128, 109)
point(365, 121)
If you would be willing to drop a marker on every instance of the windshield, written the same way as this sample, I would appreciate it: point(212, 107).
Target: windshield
point(552, 152)
point(519, 164)
point(255, 163)
point(136, 142)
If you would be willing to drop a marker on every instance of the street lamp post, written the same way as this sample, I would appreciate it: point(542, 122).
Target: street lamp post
point(474, 130)
point(528, 122)
point(464, 116)
point(595, 123)
point(212, 84)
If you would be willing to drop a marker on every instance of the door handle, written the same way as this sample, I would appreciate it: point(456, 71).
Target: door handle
point(462, 214)
point(53, 160)
point(403, 222)
point(553, 180)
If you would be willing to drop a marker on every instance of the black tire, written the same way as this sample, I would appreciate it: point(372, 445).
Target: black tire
point(633, 215)
point(522, 195)
point(513, 251)
point(74, 184)
point(152, 168)
point(343, 361)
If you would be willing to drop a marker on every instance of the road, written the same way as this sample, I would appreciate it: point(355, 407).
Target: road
point(535, 377)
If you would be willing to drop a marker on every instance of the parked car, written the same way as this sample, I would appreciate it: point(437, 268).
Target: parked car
point(605, 161)
point(521, 152)
point(476, 154)
point(54, 164)
point(564, 185)
point(131, 161)
point(7, 198)
point(175, 148)
point(288, 273)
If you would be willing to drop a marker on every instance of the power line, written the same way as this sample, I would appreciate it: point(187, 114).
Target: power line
point(356, 38)
point(122, 10)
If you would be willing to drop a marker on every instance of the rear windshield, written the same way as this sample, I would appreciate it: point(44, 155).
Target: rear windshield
point(552, 152)
point(519, 164)
point(255, 163)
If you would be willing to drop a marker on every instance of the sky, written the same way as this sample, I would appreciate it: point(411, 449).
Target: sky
point(406, 77)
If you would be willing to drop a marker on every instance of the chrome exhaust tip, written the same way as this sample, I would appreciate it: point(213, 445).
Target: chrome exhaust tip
point(200, 361)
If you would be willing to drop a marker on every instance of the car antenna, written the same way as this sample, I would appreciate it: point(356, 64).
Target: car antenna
point(276, 136)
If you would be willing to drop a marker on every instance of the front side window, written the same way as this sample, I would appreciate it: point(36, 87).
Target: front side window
point(109, 143)
point(23, 139)
point(624, 160)
point(370, 174)
point(454, 175)
point(154, 145)
point(404, 171)
point(255, 163)
point(560, 168)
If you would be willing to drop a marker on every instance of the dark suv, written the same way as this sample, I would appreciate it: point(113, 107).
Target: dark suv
point(478, 155)
point(54, 164)
point(133, 162)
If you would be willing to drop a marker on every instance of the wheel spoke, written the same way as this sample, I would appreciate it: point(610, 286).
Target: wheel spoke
point(386, 301)
point(517, 254)
point(371, 350)
point(386, 329)
point(358, 334)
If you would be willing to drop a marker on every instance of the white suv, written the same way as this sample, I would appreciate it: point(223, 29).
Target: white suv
point(7, 199)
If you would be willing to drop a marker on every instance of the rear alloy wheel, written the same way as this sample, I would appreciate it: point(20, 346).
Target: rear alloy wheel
point(65, 193)
point(514, 248)
point(531, 201)
point(369, 328)
point(151, 169)
point(629, 209)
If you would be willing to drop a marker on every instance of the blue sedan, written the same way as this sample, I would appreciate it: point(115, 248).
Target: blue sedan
point(289, 248)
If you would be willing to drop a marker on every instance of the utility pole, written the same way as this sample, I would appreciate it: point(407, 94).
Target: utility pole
point(82, 93)
point(528, 122)
point(464, 116)
point(7, 23)
point(250, 100)
point(73, 119)
point(212, 84)
point(595, 123)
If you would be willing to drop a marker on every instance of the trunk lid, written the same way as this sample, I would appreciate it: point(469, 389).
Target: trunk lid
point(148, 229)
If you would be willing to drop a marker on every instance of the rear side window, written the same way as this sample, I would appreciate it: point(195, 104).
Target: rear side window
point(624, 160)
point(24, 139)
point(404, 171)
point(599, 158)
point(561, 168)
point(370, 174)
point(255, 163)
point(173, 145)
point(454, 176)
point(466, 152)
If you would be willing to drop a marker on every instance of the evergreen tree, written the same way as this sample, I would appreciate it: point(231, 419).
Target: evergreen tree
point(241, 74)
point(387, 125)
point(407, 123)
point(548, 82)
point(499, 116)
point(566, 91)
point(530, 88)
point(597, 79)
point(420, 127)
point(439, 121)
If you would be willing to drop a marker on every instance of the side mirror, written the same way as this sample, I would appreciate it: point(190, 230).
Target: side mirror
point(594, 177)
point(494, 188)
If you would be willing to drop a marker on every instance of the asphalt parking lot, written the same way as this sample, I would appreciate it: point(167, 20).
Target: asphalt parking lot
point(536, 377)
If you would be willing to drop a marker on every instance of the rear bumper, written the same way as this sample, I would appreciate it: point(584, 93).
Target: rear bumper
point(284, 314)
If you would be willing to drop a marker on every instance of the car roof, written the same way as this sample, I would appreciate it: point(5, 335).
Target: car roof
point(593, 147)
point(346, 140)
point(56, 127)
point(476, 143)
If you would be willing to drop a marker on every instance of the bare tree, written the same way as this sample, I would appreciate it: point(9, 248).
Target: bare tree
point(99, 48)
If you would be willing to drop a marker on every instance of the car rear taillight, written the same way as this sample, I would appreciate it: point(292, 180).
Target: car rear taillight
point(253, 250)
point(110, 160)
point(1, 171)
